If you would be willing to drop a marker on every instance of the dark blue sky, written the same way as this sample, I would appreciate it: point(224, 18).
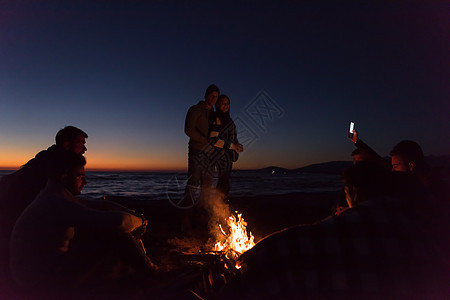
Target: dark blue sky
point(127, 71)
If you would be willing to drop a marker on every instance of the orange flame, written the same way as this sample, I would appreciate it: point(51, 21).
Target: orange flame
point(237, 240)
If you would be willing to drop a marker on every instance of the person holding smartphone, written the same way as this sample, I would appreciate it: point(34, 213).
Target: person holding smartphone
point(362, 147)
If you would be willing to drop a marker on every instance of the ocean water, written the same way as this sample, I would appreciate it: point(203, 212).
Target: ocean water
point(163, 186)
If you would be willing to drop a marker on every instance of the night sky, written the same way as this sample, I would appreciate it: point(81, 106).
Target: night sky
point(126, 72)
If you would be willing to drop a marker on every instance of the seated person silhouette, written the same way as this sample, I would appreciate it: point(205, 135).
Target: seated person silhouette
point(18, 189)
point(61, 241)
point(372, 250)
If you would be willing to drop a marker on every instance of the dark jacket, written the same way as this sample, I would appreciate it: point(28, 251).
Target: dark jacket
point(228, 133)
point(17, 190)
point(196, 126)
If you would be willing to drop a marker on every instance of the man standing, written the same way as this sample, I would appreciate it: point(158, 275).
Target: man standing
point(200, 169)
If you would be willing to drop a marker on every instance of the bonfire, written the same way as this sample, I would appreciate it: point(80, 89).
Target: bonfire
point(220, 264)
point(236, 241)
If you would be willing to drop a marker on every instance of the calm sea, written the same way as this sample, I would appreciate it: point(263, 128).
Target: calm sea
point(160, 186)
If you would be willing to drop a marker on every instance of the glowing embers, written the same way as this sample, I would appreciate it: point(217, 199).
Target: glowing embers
point(236, 241)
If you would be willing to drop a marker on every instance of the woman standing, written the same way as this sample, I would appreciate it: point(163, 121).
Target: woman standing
point(224, 138)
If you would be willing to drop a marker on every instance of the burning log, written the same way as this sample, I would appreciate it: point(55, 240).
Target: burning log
point(237, 241)
point(213, 269)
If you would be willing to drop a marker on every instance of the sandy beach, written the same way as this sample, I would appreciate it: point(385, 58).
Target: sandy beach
point(167, 245)
point(264, 215)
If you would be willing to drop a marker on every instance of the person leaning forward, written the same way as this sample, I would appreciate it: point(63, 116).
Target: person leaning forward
point(373, 250)
point(63, 242)
point(17, 190)
point(200, 170)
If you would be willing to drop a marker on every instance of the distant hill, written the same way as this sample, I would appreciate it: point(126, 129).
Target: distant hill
point(273, 170)
point(336, 167)
point(332, 167)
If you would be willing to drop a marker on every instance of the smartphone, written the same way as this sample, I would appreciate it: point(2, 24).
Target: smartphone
point(350, 129)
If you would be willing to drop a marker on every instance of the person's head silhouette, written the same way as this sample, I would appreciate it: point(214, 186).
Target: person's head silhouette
point(407, 156)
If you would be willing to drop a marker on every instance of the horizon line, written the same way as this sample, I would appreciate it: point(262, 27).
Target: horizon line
point(169, 170)
point(96, 169)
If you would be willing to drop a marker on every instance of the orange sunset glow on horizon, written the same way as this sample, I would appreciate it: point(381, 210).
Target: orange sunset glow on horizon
point(105, 163)
point(104, 160)
point(161, 161)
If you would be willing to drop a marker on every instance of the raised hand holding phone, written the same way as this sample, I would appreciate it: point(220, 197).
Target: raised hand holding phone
point(350, 129)
point(352, 133)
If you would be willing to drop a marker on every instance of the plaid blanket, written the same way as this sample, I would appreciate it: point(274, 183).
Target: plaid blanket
point(371, 251)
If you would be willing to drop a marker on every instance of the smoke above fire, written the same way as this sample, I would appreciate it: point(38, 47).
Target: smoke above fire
point(229, 232)
point(219, 212)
